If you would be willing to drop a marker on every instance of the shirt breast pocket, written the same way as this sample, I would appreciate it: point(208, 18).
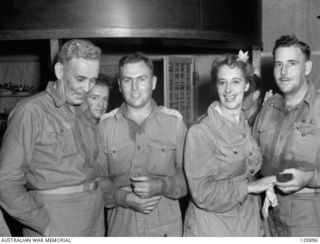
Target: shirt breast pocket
point(305, 144)
point(160, 157)
point(60, 141)
point(230, 159)
point(120, 157)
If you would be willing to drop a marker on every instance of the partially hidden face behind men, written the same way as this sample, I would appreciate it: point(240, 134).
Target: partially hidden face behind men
point(98, 100)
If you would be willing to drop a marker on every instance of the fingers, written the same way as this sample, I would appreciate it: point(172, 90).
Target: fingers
point(284, 184)
point(291, 170)
point(287, 189)
point(126, 188)
point(139, 179)
point(140, 186)
point(149, 204)
point(269, 179)
point(141, 189)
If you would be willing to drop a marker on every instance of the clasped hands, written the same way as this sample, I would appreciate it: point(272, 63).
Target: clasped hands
point(145, 193)
point(300, 179)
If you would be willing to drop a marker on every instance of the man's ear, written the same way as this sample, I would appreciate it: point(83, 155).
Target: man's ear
point(247, 87)
point(308, 67)
point(58, 70)
point(255, 95)
point(119, 84)
point(154, 82)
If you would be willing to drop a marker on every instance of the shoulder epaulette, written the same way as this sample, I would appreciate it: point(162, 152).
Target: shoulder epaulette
point(171, 112)
point(110, 114)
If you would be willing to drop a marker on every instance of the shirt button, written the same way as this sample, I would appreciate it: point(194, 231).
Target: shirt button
point(250, 154)
point(113, 151)
point(289, 156)
point(138, 147)
point(162, 149)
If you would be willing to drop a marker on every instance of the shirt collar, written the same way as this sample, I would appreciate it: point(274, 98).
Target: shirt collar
point(308, 98)
point(311, 93)
point(54, 89)
point(221, 121)
point(123, 110)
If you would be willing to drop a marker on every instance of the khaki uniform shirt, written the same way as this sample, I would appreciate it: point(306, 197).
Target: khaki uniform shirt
point(4, 230)
point(291, 139)
point(43, 148)
point(220, 158)
point(154, 149)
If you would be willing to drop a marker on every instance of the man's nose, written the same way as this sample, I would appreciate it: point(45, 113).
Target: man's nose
point(87, 86)
point(284, 70)
point(100, 103)
point(134, 84)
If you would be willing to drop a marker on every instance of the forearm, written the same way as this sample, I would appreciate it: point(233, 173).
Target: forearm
point(174, 186)
point(219, 196)
point(315, 179)
point(24, 207)
point(113, 195)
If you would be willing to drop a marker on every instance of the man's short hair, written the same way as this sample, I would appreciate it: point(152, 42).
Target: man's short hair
point(104, 80)
point(292, 40)
point(78, 48)
point(135, 58)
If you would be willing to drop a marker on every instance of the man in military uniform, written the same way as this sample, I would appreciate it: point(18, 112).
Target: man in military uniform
point(287, 130)
point(48, 181)
point(142, 147)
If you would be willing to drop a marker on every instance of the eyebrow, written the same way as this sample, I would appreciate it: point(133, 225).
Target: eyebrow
point(81, 76)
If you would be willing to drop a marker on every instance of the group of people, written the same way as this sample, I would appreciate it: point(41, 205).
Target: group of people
point(64, 160)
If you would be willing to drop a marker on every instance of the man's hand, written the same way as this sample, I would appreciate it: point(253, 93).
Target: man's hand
point(300, 179)
point(146, 187)
point(145, 206)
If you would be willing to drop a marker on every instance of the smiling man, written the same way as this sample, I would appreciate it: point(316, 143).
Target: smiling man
point(47, 180)
point(288, 131)
point(142, 148)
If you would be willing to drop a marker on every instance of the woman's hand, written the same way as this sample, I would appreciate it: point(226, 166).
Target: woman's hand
point(261, 185)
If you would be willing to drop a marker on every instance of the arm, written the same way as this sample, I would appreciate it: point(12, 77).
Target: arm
point(315, 179)
point(203, 171)
point(15, 157)
point(256, 128)
point(175, 186)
